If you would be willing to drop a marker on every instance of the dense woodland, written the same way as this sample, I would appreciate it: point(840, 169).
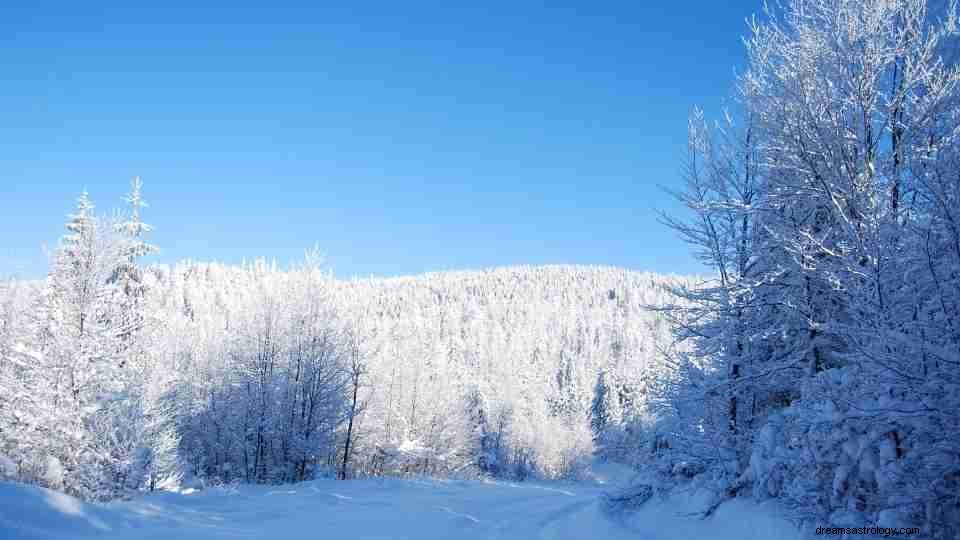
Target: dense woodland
point(123, 377)
point(817, 363)
point(827, 202)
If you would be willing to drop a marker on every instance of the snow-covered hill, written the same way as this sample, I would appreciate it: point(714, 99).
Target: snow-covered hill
point(515, 370)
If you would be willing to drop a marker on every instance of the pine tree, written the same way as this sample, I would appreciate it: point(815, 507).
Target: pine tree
point(598, 409)
point(128, 275)
point(79, 344)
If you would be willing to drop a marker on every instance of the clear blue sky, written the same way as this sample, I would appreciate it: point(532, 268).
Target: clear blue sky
point(400, 137)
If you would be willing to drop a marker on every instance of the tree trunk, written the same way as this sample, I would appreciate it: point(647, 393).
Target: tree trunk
point(353, 413)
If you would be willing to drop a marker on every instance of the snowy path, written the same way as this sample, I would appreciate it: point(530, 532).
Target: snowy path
point(367, 510)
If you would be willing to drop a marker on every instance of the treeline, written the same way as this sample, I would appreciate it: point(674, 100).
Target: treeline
point(115, 377)
point(823, 365)
point(458, 373)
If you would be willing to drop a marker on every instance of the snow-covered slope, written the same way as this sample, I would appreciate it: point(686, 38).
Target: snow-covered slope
point(378, 509)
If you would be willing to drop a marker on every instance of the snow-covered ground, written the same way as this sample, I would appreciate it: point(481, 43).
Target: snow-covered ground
point(380, 509)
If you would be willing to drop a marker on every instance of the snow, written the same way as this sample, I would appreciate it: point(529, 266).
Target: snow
point(8, 469)
point(675, 517)
point(53, 473)
point(610, 474)
point(385, 508)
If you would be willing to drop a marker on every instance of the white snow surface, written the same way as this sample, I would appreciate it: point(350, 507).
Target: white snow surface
point(385, 508)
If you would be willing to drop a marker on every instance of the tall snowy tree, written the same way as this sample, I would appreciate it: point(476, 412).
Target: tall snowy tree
point(599, 415)
point(128, 275)
point(80, 342)
point(830, 329)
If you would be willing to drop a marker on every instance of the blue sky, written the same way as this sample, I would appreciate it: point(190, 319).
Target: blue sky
point(398, 137)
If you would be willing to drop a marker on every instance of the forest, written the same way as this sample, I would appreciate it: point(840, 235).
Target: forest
point(125, 377)
point(815, 362)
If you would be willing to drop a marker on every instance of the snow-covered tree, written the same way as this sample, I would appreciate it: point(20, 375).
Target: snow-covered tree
point(129, 276)
point(80, 372)
point(214, 373)
point(822, 343)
